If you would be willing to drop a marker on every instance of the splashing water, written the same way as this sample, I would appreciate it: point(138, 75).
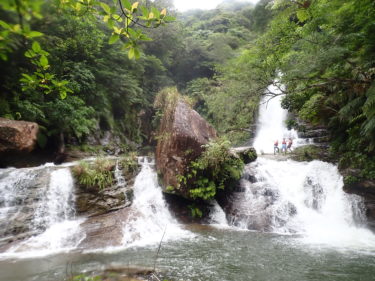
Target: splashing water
point(52, 209)
point(217, 215)
point(302, 198)
point(150, 217)
point(120, 180)
point(290, 197)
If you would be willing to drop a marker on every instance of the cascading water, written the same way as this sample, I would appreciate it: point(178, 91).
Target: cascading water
point(120, 180)
point(150, 218)
point(271, 123)
point(38, 203)
point(217, 215)
point(290, 197)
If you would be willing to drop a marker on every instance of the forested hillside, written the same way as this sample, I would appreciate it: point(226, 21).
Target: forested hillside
point(322, 51)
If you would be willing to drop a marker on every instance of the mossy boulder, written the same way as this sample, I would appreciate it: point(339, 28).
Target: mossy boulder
point(312, 152)
point(181, 136)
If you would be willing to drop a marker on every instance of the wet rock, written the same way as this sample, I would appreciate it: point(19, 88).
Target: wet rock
point(181, 137)
point(312, 152)
point(104, 230)
point(313, 133)
point(93, 202)
point(365, 189)
point(21, 203)
point(17, 136)
point(247, 154)
point(181, 209)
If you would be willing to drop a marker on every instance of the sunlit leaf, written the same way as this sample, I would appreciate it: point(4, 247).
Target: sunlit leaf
point(43, 61)
point(36, 47)
point(114, 38)
point(105, 7)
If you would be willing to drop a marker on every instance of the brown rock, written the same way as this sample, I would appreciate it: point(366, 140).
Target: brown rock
point(104, 230)
point(17, 135)
point(181, 137)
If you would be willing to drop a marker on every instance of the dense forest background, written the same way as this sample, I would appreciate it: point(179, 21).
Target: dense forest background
point(322, 51)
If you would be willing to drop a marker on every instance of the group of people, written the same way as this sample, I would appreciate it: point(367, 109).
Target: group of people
point(284, 146)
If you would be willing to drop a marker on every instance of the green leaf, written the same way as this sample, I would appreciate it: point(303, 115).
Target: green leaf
point(43, 61)
point(169, 18)
point(30, 54)
point(155, 12)
point(63, 94)
point(33, 34)
point(137, 53)
point(114, 38)
point(36, 47)
point(126, 4)
point(131, 53)
point(105, 7)
point(145, 11)
point(4, 24)
point(302, 15)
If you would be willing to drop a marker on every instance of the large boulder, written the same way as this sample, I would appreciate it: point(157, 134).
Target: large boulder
point(18, 136)
point(181, 137)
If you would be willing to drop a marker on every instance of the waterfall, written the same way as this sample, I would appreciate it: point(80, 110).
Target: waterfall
point(119, 177)
point(289, 197)
point(38, 203)
point(271, 123)
point(150, 218)
point(217, 215)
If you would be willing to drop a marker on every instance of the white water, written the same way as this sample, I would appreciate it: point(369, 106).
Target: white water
point(271, 124)
point(217, 215)
point(305, 198)
point(150, 218)
point(120, 180)
point(52, 212)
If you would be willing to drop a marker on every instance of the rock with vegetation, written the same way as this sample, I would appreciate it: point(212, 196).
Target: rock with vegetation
point(17, 136)
point(192, 161)
point(182, 133)
point(247, 154)
point(312, 152)
point(99, 190)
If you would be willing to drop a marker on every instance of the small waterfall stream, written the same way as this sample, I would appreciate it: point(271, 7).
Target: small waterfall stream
point(150, 218)
point(39, 203)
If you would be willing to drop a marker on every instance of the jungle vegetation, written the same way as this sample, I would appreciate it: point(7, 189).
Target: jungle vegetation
point(69, 67)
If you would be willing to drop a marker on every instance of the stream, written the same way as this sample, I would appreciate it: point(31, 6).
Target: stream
point(290, 221)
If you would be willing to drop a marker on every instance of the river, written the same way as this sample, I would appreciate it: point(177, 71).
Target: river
point(292, 221)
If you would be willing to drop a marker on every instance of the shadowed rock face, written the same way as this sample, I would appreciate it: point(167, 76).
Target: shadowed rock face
point(365, 189)
point(17, 136)
point(181, 138)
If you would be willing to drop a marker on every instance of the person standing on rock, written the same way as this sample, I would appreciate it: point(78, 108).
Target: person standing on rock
point(290, 142)
point(283, 146)
point(276, 147)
